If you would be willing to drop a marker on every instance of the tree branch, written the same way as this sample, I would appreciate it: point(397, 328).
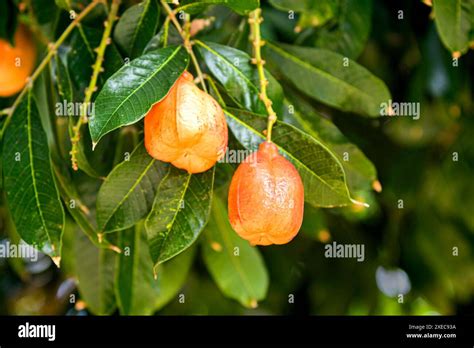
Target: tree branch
point(97, 69)
point(254, 20)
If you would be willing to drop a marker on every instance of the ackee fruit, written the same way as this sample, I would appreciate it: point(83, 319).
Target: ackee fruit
point(266, 198)
point(187, 128)
point(16, 63)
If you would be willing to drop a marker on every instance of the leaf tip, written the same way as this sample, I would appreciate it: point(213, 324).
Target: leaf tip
point(56, 260)
point(115, 249)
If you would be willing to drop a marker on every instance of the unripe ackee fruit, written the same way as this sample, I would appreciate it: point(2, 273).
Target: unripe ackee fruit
point(16, 62)
point(266, 198)
point(187, 128)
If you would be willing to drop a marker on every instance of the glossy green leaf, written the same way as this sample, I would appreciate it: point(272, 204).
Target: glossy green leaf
point(136, 27)
point(455, 22)
point(131, 92)
point(322, 173)
point(240, 6)
point(236, 267)
point(352, 31)
point(321, 74)
point(232, 68)
point(180, 212)
point(127, 193)
point(137, 290)
point(95, 271)
point(360, 172)
point(32, 195)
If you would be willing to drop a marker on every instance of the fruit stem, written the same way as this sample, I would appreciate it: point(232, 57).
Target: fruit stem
point(185, 35)
point(44, 63)
point(97, 68)
point(213, 86)
point(254, 20)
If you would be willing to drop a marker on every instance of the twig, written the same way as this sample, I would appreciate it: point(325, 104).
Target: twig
point(51, 52)
point(97, 69)
point(254, 20)
point(185, 35)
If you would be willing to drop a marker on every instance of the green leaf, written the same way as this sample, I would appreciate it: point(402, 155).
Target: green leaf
point(322, 173)
point(131, 92)
point(455, 21)
point(360, 172)
point(79, 211)
point(240, 6)
point(32, 194)
point(321, 74)
point(232, 68)
point(180, 212)
point(127, 194)
point(95, 271)
point(136, 27)
point(136, 289)
point(236, 267)
point(352, 30)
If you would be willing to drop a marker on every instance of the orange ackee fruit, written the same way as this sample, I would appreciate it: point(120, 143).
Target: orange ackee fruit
point(187, 128)
point(266, 198)
point(16, 63)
